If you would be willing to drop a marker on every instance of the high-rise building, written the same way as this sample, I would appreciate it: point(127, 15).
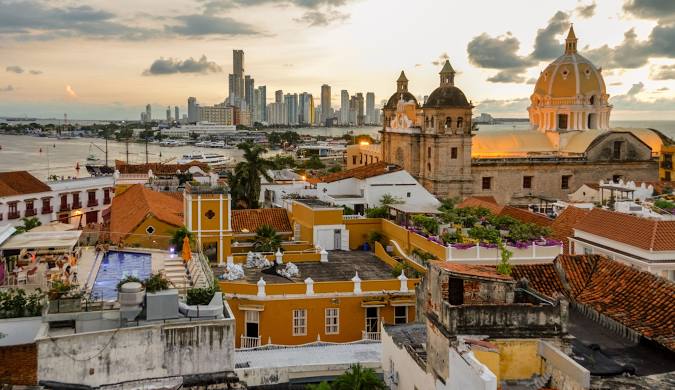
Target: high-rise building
point(192, 110)
point(220, 114)
point(238, 61)
point(353, 110)
point(360, 117)
point(371, 115)
point(249, 87)
point(261, 103)
point(325, 102)
point(344, 107)
point(317, 115)
point(143, 117)
point(291, 102)
point(148, 113)
point(279, 96)
point(177, 112)
point(306, 109)
point(168, 114)
point(236, 79)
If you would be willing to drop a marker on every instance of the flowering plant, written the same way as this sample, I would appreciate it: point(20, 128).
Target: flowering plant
point(488, 245)
point(463, 245)
point(549, 242)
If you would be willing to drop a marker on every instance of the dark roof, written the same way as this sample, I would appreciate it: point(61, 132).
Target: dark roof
point(393, 100)
point(252, 219)
point(637, 299)
point(363, 172)
point(20, 183)
point(447, 96)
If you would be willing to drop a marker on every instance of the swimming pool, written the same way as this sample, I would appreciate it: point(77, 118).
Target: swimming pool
point(115, 266)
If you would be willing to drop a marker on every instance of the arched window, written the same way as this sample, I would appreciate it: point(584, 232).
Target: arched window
point(592, 100)
point(448, 122)
point(429, 152)
point(432, 121)
point(426, 121)
point(460, 122)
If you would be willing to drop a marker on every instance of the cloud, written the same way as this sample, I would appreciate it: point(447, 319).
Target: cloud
point(650, 9)
point(164, 66)
point(507, 76)
point(315, 18)
point(635, 89)
point(14, 69)
point(630, 101)
point(547, 44)
point(418, 65)
point(496, 53)
point(201, 25)
point(616, 83)
point(663, 89)
point(663, 72)
point(531, 81)
point(70, 91)
point(585, 11)
point(8, 88)
point(35, 72)
point(507, 105)
point(441, 59)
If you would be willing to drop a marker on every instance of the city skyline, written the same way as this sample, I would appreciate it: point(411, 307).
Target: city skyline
point(97, 60)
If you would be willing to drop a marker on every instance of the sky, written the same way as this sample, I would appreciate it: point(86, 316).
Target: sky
point(103, 59)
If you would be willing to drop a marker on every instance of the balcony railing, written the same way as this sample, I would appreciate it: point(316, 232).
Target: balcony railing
point(92, 203)
point(13, 215)
point(249, 342)
point(77, 205)
point(64, 207)
point(372, 336)
point(47, 210)
point(106, 200)
point(30, 212)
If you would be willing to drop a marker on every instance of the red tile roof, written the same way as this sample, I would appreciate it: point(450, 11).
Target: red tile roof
point(637, 299)
point(20, 183)
point(252, 219)
point(639, 232)
point(481, 271)
point(158, 168)
point(563, 226)
point(363, 172)
point(136, 204)
point(496, 209)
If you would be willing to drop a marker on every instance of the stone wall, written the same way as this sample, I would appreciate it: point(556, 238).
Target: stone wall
point(137, 353)
point(18, 364)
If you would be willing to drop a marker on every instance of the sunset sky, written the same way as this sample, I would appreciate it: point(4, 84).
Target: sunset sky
point(107, 59)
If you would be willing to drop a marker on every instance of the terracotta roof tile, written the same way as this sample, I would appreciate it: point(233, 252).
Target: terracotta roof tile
point(476, 201)
point(517, 213)
point(481, 271)
point(131, 208)
point(637, 299)
point(158, 168)
point(631, 230)
point(252, 219)
point(363, 172)
point(563, 226)
point(20, 183)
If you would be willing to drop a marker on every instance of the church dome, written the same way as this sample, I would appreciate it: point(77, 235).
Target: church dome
point(447, 96)
point(393, 100)
point(570, 75)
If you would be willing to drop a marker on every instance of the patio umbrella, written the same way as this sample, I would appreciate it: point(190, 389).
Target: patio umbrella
point(187, 253)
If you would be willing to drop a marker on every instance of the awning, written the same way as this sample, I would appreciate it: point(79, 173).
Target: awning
point(373, 304)
point(251, 307)
point(35, 240)
point(55, 226)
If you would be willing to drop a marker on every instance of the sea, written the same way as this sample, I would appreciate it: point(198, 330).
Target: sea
point(44, 157)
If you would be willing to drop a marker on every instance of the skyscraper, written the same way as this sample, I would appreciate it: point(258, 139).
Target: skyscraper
point(238, 61)
point(306, 109)
point(291, 102)
point(168, 113)
point(148, 113)
point(249, 86)
point(360, 116)
point(279, 96)
point(344, 107)
point(325, 102)
point(236, 79)
point(177, 112)
point(261, 103)
point(192, 109)
point(371, 115)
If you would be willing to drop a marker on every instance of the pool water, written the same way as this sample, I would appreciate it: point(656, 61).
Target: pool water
point(115, 266)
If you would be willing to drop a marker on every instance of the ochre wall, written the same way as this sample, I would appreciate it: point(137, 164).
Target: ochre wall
point(518, 358)
point(160, 239)
point(359, 229)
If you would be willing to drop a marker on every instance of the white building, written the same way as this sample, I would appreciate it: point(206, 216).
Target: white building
point(201, 128)
point(601, 192)
point(646, 244)
point(74, 201)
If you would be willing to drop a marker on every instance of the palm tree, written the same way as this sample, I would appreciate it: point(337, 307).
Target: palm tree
point(28, 224)
point(359, 378)
point(266, 239)
point(251, 169)
point(236, 190)
point(178, 237)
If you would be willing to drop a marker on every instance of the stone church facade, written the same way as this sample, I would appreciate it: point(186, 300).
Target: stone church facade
point(569, 142)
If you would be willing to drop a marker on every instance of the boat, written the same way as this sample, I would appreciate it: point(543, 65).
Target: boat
point(172, 142)
point(92, 157)
point(212, 159)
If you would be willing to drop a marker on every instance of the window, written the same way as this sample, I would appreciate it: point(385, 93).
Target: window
point(588, 251)
point(332, 320)
point(460, 122)
point(150, 230)
point(76, 200)
point(448, 122)
point(455, 291)
point(299, 322)
point(453, 153)
point(616, 153)
point(372, 320)
point(360, 158)
point(616, 178)
point(527, 182)
point(428, 166)
point(252, 319)
point(407, 194)
point(429, 152)
point(354, 160)
point(400, 315)
point(565, 182)
point(562, 121)
point(487, 183)
point(29, 205)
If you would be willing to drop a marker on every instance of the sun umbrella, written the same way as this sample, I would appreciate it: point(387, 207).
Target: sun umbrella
point(187, 253)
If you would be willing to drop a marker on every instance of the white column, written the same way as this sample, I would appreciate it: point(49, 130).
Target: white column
point(309, 286)
point(324, 256)
point(279, 257)
point(261, 287)
point(357, 283)
point(404, 282)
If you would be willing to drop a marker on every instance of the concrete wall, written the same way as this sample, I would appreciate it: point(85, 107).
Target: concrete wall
point(130, 354)
point(398, 364)
point(566, 374)
point(466, 372)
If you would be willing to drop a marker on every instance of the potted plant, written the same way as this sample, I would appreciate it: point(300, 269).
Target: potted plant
point(63, 298)
point(161, 301)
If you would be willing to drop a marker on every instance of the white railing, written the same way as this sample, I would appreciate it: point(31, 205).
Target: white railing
point(478, 254)
point(372, 336)
point(249, 342)
point(352, 216)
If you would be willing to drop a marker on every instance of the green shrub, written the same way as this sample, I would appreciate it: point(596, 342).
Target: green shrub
point(127, 279)
point(16, 303)
point(484, 234)
point(155, 283)
point(664, 204)
point(200, 296)
point(377, 212)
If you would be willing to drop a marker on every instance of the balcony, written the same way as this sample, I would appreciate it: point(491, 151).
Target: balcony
point(106, 200)
point(30, 212)
point(13, 215)
point(249, 342)
point(77, 205)
point(372, 336)
point(64, 207)
point(47, 209)
point(92, 203)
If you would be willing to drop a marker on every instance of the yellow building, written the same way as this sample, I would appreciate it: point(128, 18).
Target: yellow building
point(363, 153)
point(666, 170)
point(207, 211)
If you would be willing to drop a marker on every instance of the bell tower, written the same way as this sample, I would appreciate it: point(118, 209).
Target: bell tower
point(402, 83)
